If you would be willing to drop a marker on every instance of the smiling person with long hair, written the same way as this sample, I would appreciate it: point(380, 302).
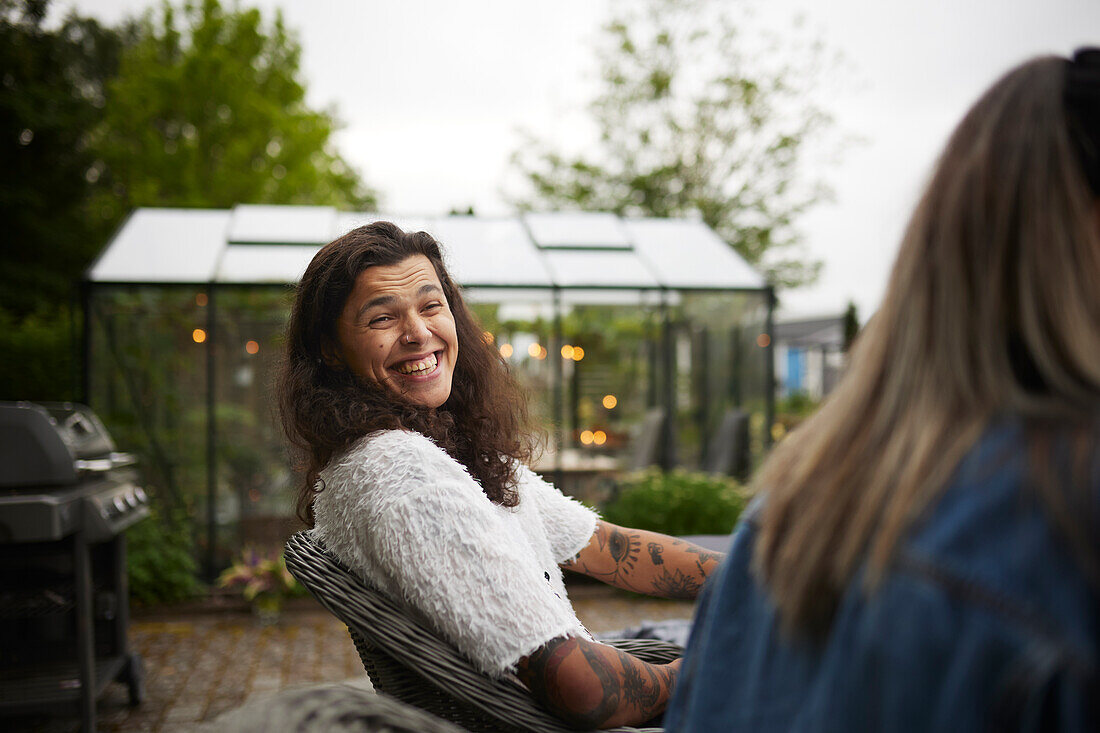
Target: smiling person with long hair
point(923, 552)
point(414, 444)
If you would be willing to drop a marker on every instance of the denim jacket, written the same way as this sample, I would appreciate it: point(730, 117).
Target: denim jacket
point(984, 621)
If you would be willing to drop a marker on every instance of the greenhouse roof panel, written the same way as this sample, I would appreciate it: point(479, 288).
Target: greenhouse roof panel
point(164, 246)
point(483, 252)
point(346, 221)
point(576, 230)
point(251, 224)
point(598, 268)
point(265, 263)
point(688, 254)
point(269, 244)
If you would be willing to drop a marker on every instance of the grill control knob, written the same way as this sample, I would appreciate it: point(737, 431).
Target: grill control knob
point(140, 494)
point(120, 505)
point(131, 499)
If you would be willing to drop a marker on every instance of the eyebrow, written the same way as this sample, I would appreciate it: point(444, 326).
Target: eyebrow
point(390, 300)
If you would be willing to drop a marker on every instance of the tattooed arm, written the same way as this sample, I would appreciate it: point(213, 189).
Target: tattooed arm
point(645, 562)
point(593, 685)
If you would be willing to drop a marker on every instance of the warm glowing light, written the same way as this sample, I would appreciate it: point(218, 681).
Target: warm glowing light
point(763, 340)
point(778, 431)
point(567, 352)
point(487, 337)
point(201, 300)
point(252, 347)
point(198, 335)
point(506, 351)
point(609, 401)
point(599, 437)
point(587, 437)
point(578, 353)
point(534, 349)
point(542, 353)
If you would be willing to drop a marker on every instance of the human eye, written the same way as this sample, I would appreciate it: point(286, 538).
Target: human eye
point(380, 320)
point(433, 307)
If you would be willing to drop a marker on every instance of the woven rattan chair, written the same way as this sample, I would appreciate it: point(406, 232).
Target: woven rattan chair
point(409, 661)
point(327, 709)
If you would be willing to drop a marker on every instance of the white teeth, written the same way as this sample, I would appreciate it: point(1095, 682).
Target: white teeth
point(424, 365)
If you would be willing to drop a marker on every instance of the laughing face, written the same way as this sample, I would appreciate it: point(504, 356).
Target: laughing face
point(397, 330)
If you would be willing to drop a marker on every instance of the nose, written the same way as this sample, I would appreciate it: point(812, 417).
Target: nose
point(416, 331)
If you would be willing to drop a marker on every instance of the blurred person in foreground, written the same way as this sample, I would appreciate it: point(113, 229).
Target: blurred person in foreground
point(923, 551)
point(414, 442)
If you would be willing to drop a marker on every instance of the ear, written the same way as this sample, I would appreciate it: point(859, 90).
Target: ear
point(330, 354)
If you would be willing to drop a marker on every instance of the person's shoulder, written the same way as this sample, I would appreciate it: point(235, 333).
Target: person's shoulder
point(988, 542)
point(389, 446)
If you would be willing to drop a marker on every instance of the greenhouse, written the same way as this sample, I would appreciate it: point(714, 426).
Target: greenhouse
point(638, 341)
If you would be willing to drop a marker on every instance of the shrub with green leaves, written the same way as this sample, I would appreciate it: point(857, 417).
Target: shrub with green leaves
point(677, 503)
point(160, 561)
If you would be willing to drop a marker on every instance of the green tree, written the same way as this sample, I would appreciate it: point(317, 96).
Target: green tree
point(51, 95)
point(211, 111)
point(851, 325)
point(696, 117)
point(193, 107)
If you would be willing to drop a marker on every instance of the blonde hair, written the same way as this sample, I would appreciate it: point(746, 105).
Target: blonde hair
point(993, 307)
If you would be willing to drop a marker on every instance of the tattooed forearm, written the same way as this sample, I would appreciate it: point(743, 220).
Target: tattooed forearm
point(676, 585)
point(593, 685)
point(670, 567)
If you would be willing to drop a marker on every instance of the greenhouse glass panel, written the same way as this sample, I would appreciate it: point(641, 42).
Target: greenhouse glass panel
point(252, 224)
point(265, 263)
point(255, 487)
point(147, 382)
point(688, 254)
point(721, 365)
point(490, 252)
point(598, 268)
point(164, 246)
point(577, 229)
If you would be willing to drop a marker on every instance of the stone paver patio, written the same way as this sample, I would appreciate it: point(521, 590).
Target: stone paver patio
point(198, 665)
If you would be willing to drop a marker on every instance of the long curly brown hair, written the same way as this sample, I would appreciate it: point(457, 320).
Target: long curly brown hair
point(483, 424)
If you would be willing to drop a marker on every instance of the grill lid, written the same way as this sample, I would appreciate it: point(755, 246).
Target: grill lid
point(50, 444)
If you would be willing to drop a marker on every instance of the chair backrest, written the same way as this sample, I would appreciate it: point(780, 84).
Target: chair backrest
point(646, 448)
point(411, 662)
point(728, 450)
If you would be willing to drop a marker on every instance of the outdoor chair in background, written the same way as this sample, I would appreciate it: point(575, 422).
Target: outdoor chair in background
point(409, 661)
point(646, 449)
point(728, 450)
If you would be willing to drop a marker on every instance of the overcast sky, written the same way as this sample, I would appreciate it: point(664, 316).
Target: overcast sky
point(433, 94)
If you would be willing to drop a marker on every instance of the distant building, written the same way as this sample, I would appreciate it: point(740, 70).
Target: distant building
point(809, 355)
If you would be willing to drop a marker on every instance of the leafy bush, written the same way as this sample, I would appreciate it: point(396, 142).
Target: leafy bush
point(161, 561)
point(677, 503)
point(796, 404)
point(258, 575)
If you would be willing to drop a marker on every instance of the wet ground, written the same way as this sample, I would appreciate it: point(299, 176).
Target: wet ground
point(200, 663)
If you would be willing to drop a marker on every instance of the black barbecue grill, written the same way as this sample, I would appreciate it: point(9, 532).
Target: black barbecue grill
point(66, 495)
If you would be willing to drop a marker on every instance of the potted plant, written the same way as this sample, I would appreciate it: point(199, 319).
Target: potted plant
point(264, 582)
